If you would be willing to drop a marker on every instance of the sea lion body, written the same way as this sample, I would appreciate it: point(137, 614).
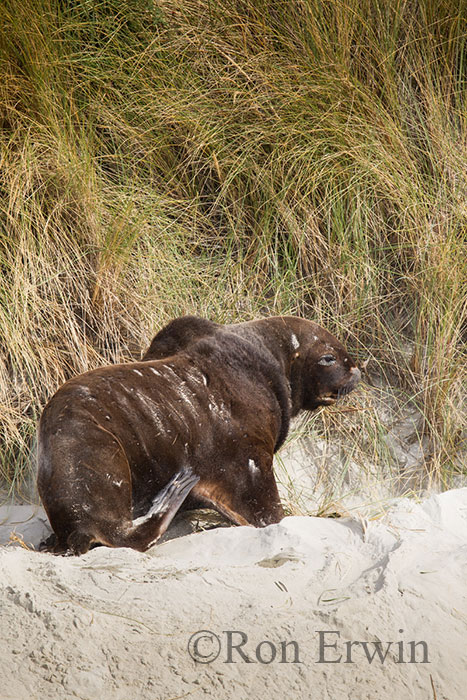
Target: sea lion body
point(121, 447)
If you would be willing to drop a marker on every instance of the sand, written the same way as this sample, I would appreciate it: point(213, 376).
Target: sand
point(279, 606)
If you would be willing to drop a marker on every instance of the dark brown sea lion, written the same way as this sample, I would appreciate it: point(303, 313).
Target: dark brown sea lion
point(121, 447)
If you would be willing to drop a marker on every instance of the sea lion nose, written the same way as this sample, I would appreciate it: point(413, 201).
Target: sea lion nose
point(357, 375)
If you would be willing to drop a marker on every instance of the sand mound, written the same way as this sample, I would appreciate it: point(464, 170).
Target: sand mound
point(322, 608)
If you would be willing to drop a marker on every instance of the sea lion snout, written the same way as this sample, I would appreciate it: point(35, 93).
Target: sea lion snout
point(351, 383)
point(356, 376)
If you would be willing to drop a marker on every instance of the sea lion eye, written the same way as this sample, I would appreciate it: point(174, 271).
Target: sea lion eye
point(327, 360)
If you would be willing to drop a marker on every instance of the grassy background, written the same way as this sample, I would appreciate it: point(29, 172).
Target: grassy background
point(234, 159)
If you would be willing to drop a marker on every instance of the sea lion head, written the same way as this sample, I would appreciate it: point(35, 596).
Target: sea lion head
point(322, 371)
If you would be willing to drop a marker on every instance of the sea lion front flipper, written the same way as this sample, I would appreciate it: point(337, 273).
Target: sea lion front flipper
point(247, 494)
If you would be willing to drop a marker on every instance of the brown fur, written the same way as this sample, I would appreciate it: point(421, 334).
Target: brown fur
point(203, 412)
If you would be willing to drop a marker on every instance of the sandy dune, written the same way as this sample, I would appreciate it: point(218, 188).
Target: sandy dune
point(279, 607)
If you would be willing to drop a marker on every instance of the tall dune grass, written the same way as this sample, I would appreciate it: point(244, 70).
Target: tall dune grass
point(232, 159)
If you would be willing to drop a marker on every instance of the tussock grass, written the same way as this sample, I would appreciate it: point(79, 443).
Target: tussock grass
point(233, 159)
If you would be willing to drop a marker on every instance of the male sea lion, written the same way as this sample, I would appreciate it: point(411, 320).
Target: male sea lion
point(121, 447)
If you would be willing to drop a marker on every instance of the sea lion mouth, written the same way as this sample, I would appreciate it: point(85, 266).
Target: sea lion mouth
point(332, 396)
point(327, 399)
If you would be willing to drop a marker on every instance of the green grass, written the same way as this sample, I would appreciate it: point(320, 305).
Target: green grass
point(233, 159)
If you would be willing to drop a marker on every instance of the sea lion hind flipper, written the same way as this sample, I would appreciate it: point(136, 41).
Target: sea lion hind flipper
point(170, 498)
point(148, 529)
point(143, 532)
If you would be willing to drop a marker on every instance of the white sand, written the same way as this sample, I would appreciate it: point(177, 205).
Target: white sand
point(115, 623)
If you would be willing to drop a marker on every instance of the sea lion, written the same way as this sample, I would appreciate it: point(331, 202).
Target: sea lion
point(195, 422)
